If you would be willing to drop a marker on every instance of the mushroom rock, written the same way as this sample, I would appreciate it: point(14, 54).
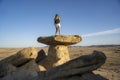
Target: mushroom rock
point(58, 49)
point(59, 39)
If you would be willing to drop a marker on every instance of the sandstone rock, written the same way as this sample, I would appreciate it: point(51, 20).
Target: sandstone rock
point(21, 57)
point(30, 52)
point(57, 55)
point(89, 76)
point(28, 65)
point(42, 68)
point(58, 50)
point(40, 58)
point(41, 55)
point(77, 69)
point(25, 55)
point(60, 40)
point(29, 69)
point(81, 65)
point(6, 69)
point(10, 64)
point(86, 76)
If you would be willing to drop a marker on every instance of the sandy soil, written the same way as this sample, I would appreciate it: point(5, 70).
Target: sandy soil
point(110, 70)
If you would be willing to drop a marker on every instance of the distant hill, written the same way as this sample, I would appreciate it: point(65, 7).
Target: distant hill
point(98, 46)
point(103, 45)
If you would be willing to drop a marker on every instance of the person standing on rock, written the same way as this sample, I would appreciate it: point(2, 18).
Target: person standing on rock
point(57, 23)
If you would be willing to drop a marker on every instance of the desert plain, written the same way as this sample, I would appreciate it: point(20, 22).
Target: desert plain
point(110, 70)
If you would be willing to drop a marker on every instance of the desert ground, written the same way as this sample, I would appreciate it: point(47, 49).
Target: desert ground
point(110, 70)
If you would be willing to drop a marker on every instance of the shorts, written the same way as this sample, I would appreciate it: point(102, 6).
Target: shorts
point(57, 25)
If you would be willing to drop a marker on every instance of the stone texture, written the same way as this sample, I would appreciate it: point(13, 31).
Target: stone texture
point(57, 55)
point(27, 64)
point(81, 65)
point(10, 64)
point(58, 49)
point(24, 72)
point(86, 76)
point(77, 69)
point(21, 57)
point(25, 55)
point(41, 55)
point(60, 40)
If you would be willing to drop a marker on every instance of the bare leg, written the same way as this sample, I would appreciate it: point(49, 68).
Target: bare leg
point(56, 31)
point(59, 30)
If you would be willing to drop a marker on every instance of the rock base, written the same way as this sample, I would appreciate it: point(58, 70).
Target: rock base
point(77, 69)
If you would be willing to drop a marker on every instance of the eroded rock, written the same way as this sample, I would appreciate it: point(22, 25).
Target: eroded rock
point(60, 39)
point(77, 69)
point(27, 64)
point(80, 65)
point(58, 53)
point(20, 59)
point(24, 72)
point(41, 55)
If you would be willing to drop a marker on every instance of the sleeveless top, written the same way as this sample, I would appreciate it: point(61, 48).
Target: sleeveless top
point(57, 20)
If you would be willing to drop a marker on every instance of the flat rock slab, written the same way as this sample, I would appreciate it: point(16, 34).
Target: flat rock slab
point(60, 39)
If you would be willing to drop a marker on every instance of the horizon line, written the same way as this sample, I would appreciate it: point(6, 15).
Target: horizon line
point(68, 46)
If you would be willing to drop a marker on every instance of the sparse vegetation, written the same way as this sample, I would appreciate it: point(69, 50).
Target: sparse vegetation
point(110, 70)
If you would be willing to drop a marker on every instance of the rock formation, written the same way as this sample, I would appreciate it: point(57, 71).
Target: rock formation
point(41, 56)
point(78, 66)
point(28, 64)
point(58, 49)
point(77, 69)
point(20, 65)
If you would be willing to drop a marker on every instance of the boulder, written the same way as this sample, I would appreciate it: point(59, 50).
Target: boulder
point(41, 55)
point(60, 39)
point(80, 65)
point(41, 58)
point(86, 76)
point(10, 64)
point(28, 64)
point(77, 69)
point(24, 72)
point(58, 53)
point(24, 56)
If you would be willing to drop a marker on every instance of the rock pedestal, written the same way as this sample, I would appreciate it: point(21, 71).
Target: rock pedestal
point(28, 64)
point(58, 49)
